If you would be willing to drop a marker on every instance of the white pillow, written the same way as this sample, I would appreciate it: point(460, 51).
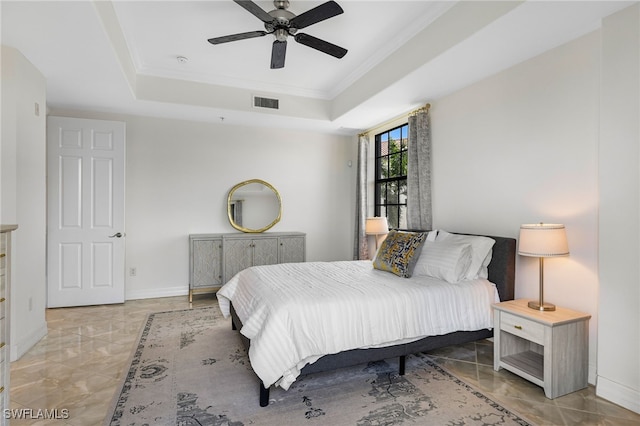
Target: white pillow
point(431, 235)
point(484, 269)
point(480, 251)
point(445, 260)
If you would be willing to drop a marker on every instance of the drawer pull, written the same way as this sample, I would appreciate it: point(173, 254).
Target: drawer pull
point(518, 327)
point(2, 345)
point(2, 255)
point(2, 299)
point(1, 389)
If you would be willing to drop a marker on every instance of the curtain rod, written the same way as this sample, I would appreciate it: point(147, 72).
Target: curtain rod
point(423, 108)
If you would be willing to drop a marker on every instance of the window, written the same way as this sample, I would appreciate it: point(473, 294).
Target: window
point(391, 176)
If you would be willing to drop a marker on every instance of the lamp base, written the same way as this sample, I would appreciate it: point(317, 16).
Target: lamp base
point(541, 306)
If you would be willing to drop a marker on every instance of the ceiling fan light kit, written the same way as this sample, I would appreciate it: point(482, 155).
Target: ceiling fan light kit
point(282, 23)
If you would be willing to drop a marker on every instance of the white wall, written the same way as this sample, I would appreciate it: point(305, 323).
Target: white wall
point(619, 327)
point(24, 195)
point(178, 175)
point(521, 147)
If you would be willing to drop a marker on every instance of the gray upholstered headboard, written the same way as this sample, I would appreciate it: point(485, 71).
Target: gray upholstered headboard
point(502, 269)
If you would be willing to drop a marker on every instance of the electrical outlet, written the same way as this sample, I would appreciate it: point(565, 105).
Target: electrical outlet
point(132, 272)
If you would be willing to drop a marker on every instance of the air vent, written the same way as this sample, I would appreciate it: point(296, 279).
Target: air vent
point(260, 102)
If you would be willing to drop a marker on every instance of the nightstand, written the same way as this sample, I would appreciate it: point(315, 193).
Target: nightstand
point(550, 349)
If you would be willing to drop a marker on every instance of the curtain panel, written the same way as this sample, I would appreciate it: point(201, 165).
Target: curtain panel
point(419, 213)
point(361, 247)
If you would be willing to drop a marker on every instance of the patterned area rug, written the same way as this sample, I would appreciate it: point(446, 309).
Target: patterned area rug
point(190, 368)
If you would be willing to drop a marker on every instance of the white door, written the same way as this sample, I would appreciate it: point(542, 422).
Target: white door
point(85, 224)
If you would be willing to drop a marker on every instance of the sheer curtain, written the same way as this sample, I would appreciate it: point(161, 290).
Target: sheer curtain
point(419, 215)
point(361, 249)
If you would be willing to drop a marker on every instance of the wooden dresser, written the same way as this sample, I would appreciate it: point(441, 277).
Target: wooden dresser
point(5, 287)
point(215, 258)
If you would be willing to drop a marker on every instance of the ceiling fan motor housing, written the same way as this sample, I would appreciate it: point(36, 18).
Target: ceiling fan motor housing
point(280, 24)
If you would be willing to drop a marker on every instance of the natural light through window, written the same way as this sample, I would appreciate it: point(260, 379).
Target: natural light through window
point(391, 176)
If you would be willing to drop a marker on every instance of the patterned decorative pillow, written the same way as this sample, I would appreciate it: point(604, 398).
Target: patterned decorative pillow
point(399, 252)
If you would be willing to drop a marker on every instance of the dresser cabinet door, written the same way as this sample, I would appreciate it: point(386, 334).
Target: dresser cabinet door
point(237, 256)
point(265, 251)
point(207, 263)
point(291, 249)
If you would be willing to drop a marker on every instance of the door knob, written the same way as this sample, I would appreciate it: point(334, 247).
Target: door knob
point(116, 235)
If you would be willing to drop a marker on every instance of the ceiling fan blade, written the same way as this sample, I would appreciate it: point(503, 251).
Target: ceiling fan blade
point(319, 13)
point(321, 45)
point(236, 37)
point(278, 53)
point(255, 10)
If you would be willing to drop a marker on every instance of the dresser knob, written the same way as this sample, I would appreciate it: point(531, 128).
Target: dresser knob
point(518, 327)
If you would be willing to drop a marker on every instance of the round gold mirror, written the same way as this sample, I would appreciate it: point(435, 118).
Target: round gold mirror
point(254, 206)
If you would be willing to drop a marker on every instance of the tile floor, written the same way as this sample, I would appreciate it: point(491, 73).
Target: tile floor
point(79, 364)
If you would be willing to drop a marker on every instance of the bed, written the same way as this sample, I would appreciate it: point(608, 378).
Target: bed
point(298, 319)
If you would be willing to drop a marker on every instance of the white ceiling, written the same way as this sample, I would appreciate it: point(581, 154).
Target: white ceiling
point(121, 56)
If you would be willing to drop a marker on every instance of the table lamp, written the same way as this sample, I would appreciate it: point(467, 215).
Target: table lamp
point(376, 226)
point(543, 240)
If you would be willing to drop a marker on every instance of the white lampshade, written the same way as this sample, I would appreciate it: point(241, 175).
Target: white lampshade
point(543, 240)
point(376, 226)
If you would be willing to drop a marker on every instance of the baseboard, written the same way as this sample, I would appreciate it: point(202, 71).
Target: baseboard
point(20, 346)
point(618, 394)
point(157, 292)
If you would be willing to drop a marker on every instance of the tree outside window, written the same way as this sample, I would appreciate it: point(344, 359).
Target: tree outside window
point(391, 176)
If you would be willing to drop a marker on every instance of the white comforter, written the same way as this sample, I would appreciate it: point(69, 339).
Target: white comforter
point(296, 312)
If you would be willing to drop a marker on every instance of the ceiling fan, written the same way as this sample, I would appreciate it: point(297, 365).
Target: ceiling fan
point(282, 23)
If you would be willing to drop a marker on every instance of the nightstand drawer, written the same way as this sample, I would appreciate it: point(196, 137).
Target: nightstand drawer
point(522, 327)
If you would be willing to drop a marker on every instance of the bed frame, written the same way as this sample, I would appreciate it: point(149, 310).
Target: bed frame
point(501, 272)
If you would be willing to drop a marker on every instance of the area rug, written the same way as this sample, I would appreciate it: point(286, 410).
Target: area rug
point(190, 368)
